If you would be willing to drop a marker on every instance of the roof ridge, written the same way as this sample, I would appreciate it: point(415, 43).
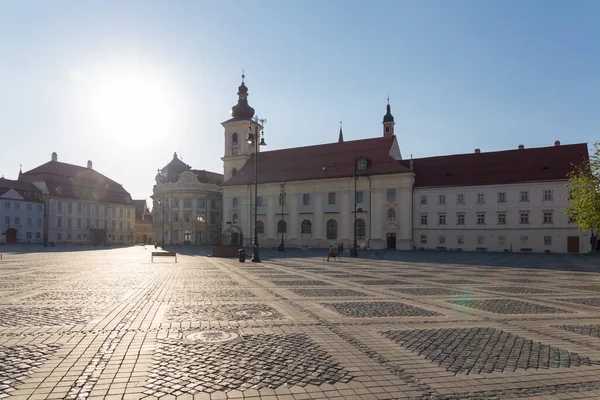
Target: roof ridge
point(502, 151)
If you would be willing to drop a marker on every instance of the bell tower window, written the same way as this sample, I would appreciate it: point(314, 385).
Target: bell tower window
point(233, 172)
point(234, 138)
point(234, 151)
point(387, 129)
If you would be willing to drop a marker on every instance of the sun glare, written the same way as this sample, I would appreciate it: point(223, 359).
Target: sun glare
point(132, 107)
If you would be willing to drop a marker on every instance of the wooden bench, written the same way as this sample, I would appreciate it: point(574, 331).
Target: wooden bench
point(163, 254)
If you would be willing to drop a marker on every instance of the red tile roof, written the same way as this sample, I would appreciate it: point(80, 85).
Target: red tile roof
point(498, 167)
point(77, 182)
point(21, 187)
point(325, 161)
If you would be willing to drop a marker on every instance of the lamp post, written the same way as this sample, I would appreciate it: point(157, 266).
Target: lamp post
point(354, 251)
point(161, 204)
point(282, 201)
point(253, 139)
point(46, 198)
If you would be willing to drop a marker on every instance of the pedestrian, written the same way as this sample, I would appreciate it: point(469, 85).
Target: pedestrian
point(593, 242)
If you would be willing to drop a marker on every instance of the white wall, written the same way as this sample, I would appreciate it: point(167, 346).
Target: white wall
point(30, 218)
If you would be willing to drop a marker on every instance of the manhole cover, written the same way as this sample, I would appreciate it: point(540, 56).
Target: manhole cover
point(253, 314)
point(211, 337)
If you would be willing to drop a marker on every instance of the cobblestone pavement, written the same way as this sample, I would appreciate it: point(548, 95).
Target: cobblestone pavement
point(96, 323)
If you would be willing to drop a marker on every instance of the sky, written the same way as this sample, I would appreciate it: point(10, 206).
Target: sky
point(128, 83)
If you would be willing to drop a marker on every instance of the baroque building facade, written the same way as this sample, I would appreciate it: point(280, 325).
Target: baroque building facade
point(84, 206)
point(21, 212)
point(187, 205)
point(496, 201)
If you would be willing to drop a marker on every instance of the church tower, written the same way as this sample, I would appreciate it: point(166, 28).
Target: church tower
point(388, 122)
point(237, 150)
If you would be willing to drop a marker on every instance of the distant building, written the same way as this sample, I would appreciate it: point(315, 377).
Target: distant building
point(85, 206)
point(498, 201)
point(21, 212)
point(143, 222)
point(187, 205)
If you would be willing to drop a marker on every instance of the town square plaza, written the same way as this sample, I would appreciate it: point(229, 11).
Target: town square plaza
point(108, 323)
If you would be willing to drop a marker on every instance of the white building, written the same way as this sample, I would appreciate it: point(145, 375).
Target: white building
point(498, 201)
point(187, 205)
point(21, 212)
point(85, 206)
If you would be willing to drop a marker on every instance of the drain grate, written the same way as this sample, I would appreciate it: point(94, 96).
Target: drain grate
point(213, 337)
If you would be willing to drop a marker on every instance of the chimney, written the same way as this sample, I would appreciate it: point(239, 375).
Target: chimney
point(477, 151)
point(412, 164)
point(521, 147)
point(54, 156)
point(89, 164)
point(557, 143)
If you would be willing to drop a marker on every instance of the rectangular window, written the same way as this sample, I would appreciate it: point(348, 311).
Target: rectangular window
point(97, 225)
point(547, 240)
point(524, 240)
point(391, 195)
point(201, 202)
point(78, 223)
point(501, 239)
point(29, 221)
point(187, 202)
point(176, 217)
point(39, 207)
point(501, 197)
point(29, 207)
point(68, 236)
point(29, 235)
point(7, 220)
point(501, 218)
point(70, 208)
point(59, 236)
point(88, 223)
point(39, 222)
point(38, 235)
point(79, 209)
point(177, 203)
point(58, 222)
point(460, 218)
point(480, 218)
point(442, 239)
point(69, 223)
point(480, 198)
point(423, 200)
point(214, 204)
point(59, 207)
point(331, 198)
point(548, 217)
point(306, 199)
point(548, 195)
point(524, 217)
point(79, 236)
point(121, 225)
point(524, 195)
point(259, 201)
point(423, 219)
point(423, 238)
point(234, 202)
point(17, 220)
point(480, 239)
point(442, 199)
point(460, 239)
point(17, 206)
point(359, 196)
point(442, 219)
point(105, 224)
point(460, 198)
point(7, 205)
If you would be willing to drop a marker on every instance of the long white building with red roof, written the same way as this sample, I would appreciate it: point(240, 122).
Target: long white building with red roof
point(496, 201)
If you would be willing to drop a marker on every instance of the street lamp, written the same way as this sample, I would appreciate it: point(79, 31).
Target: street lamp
point(161, 203)
point(46, 197)
point(253, 139)
point(282, 201)
point(354, 251)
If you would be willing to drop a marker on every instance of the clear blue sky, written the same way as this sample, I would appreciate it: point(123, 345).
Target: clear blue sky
point(127, 83)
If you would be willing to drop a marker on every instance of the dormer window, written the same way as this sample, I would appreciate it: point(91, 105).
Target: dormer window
point(95, 195)
point(188, 180)
point(58, 190)
point(127, 199)
point(362, 163)
point(234, 138)
point(71, 179)
point(26, 194)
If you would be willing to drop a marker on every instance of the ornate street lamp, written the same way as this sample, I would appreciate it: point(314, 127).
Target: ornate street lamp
point(161, 204)
point(253, 138)
point(282, 202)
point(46, 197)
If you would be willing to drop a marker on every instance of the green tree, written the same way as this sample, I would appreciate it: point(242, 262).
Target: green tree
point(584, 192)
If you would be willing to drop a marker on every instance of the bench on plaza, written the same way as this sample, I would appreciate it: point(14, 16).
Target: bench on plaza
point(163, 254)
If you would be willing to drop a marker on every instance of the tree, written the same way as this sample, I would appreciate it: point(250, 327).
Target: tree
point(584, 192)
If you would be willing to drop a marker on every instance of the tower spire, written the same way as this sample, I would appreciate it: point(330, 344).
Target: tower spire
point(242, 109)
point(388, 121)
point(341, 136)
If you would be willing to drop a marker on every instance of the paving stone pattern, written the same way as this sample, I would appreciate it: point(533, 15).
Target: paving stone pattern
point(18, 362)
point(483, 350)
point(377, 309)
point(221, 312)
point(258, 361)
point(328, 293)
point(508, 306)
point(519, 290)
point(587, 330)
point(431, 291)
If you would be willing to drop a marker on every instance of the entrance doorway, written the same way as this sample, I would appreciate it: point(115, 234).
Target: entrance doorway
point(391, 240)
point(187, 237)
point(145, 239)
point(11, 235)
point(572, 244)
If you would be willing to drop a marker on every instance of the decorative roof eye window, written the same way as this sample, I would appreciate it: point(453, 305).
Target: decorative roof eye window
point(58, 190)
point(361, 164)
point(188, 180)
point(127, 199)
point(95, 195)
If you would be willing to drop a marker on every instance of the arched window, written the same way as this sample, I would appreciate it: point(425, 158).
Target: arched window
point(391, 215)
point(233, 172)
point(361, 228)
point(260, 227)
point(306, 226)
point(387, 129)
point(331, 229)
point(281, 227)
point(234, 218)
point(234, 138)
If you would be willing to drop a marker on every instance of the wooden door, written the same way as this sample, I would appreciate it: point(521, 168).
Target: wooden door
point(573, 244)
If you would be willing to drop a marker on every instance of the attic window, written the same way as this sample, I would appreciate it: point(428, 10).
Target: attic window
point(127, 199)
point(188, 180)
point(95, 195)
point(71, 180)
point(58, 190)
point(26, 194)
point(362, 163)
